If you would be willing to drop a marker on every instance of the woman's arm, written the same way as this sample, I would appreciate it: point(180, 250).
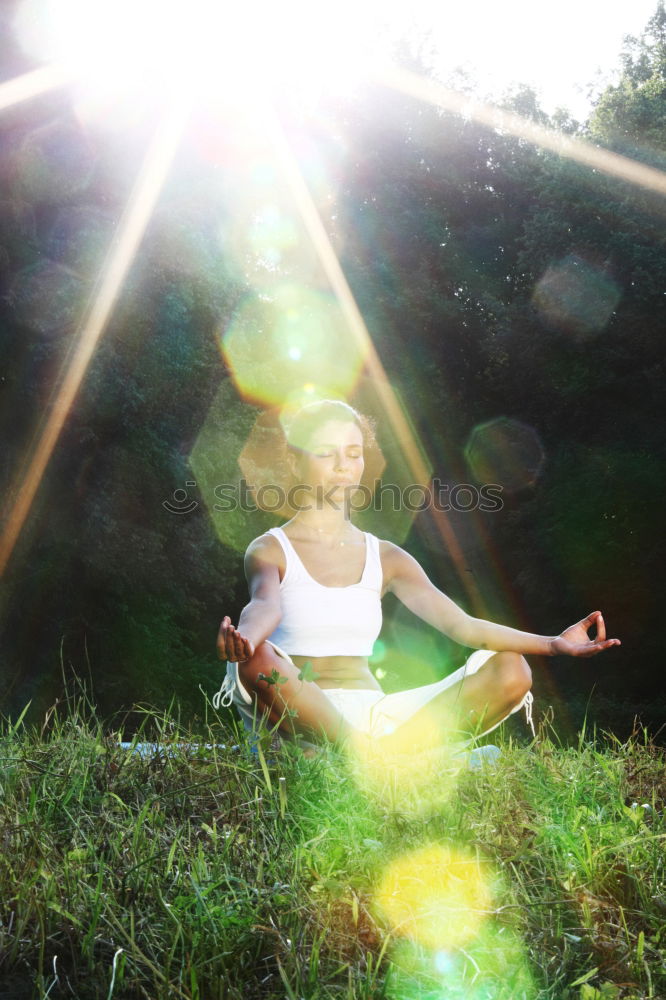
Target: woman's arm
point(261, 616)
point(406, 579)
point(314, 714)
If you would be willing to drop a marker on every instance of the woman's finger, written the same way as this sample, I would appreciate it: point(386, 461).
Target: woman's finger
point(242, 648)
point(224, 625)
point(237, 646)
point(601, 628)
point(222, 640)
point(588, 622)
point(599, 647)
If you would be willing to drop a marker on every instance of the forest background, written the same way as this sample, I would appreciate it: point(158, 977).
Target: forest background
point(505, 288)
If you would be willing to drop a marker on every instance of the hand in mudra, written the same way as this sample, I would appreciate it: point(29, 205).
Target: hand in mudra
point(231, 645)
point(575, 641)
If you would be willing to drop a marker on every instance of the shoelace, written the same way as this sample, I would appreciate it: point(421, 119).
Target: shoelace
point(528, 703)
point(224, 698)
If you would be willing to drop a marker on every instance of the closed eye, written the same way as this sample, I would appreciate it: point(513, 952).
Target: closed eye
point(329, 454)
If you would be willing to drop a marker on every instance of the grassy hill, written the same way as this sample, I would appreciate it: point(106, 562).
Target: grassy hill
point(218, 873)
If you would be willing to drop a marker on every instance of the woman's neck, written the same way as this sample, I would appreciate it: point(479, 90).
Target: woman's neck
point(324, 524)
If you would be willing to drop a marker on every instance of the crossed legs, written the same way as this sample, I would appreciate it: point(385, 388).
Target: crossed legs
point(480, 700)
point(284, 699)
point(471, 703)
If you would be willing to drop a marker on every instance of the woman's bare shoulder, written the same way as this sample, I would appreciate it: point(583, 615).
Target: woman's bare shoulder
point(395, 561)
point(389, 550)
point(265, 549)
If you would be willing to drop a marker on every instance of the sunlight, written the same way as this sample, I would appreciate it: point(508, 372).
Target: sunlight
point(577, 150)
point(414, 767)
point(436, 896)
point(29, 85)
point(121, 254)
point(296, 336)
point(387, 398)
point(206, 50)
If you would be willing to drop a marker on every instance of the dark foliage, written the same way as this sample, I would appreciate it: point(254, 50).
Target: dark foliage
point(496, 279)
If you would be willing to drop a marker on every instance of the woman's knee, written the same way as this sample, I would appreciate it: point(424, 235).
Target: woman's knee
point(253, 673)
point(513, 675)
point(266, 676)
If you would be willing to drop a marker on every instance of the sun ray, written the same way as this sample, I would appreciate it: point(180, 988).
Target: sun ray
point(578, 150)
point(338, 282)
point(607, 162)
point(132, 226)
point(32, 84)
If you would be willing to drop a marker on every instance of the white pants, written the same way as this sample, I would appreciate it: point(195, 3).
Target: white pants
point(371, 711)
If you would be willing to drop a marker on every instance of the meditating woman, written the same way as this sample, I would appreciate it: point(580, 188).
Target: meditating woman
point(298, 659)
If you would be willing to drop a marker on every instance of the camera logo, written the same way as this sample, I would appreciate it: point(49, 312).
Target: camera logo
point(179, 497)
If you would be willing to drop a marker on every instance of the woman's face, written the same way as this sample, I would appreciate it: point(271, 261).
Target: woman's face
point(333, 460)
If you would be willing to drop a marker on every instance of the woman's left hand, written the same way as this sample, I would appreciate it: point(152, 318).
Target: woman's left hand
point(574, 641)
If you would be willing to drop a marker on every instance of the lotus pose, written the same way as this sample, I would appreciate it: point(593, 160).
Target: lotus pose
point(299, 656)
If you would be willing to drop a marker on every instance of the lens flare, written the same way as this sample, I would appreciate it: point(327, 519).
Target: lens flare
point(263, 460)
point(214, 462)
point(52, 164)
point(149, 46)
point(501, 965)
point(267, 241)
point(46, 297)
point(444, 962)
point(263, 464)
point(279, 342)
point(32, 84)
point(410, 766)
point(505, 452)
point(576, 150)
point(437, 895)
point(492, 966)
point(132, 226)
point(405, 462)
point(576, 296)
point(80, 237)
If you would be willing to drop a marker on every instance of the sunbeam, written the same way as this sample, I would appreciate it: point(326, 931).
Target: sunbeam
point(121, 254)
point(340, 286)
point(578, 150)
point(33, 84)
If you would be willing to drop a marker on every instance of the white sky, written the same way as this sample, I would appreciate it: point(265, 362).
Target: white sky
point(558, 48)
point(561, 48)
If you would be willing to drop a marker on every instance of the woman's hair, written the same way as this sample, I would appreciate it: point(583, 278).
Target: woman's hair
point(299, 428)
point(265, 458)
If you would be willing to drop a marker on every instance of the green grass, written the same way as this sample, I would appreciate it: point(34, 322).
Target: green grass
point(225, 874)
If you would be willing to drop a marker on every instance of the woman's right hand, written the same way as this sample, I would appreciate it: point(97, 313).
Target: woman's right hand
point(231, 645)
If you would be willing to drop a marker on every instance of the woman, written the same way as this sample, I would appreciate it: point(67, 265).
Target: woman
point(299, 656)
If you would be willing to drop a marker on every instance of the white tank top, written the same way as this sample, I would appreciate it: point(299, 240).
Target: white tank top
point(328, 621)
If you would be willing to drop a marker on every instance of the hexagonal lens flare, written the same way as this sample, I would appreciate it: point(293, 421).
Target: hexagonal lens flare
point(278, 344)
point(576, 296)
point(505, 452)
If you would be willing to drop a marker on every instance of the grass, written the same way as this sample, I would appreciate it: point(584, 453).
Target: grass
point(220, 874)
